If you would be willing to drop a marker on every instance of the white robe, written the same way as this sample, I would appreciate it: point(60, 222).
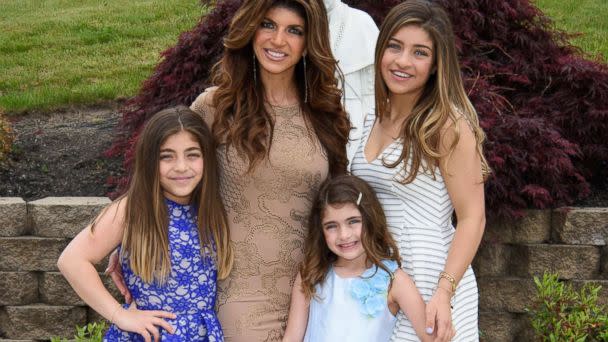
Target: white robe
point(353, 36)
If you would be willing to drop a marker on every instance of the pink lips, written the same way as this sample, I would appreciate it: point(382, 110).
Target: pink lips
point(181, 179)
point(401, 78)
point(348, 245)
point(269, 55)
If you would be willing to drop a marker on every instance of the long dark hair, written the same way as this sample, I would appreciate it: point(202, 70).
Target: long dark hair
point(241, 117)
point(145, 236)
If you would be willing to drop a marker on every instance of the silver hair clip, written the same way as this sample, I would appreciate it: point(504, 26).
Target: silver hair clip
point(359, 198)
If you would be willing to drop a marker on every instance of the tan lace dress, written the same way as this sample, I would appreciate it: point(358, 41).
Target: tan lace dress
point(267, 210)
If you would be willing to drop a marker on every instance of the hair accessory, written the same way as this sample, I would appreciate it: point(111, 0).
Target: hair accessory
point(449, 278)
point(305, 81)
point(255, 72)
point(359, 198)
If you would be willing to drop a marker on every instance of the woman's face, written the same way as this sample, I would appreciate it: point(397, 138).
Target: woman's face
point(407, 62)
point(279, 42)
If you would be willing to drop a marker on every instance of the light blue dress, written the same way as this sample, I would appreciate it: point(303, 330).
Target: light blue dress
point(189, 292)
point(352, 309)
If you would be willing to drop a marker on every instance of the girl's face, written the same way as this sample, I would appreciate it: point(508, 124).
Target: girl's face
point(407, 62)
point(181, 166)
point(342, 227)
point(279, 42)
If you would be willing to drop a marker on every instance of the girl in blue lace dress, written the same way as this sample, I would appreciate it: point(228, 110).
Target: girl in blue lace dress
point(173, 237)
point(350, 285)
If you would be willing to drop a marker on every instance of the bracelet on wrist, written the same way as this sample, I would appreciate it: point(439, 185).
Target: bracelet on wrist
point(450, 293)
point(450, 278)
point(114, 313)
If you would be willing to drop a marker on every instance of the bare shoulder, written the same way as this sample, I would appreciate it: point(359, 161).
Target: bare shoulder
point(458, 127)
point(400, 275)
point(203, 104)
point(113, 215)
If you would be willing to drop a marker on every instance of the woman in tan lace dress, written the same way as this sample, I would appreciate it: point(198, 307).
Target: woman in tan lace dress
point(276, 115)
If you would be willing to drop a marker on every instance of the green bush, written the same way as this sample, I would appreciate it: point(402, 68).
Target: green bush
point(6, 137)
point(559, 313)
point(92, 332)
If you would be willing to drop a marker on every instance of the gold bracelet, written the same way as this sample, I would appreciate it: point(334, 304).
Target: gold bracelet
point(449, 278)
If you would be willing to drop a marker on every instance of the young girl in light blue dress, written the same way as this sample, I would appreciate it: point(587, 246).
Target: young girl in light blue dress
point(172, 232)
point(350, 285)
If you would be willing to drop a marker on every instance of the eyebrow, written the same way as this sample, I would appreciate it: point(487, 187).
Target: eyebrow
point(347, 219)
point(187, 150)
point(415, 45)
point(274, 22)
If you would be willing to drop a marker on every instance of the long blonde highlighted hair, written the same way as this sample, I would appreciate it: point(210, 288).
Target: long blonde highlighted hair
point(443, 100)
point(145, 238)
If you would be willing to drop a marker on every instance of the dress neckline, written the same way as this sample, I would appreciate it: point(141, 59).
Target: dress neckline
point(292, 107)
point(384, 148)
point(172, 203)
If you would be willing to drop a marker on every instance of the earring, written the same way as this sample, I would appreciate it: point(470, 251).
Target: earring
point(305, 81)
point(255, 72)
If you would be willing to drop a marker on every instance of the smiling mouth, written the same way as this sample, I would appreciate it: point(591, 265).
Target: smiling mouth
point(348, 245)
point(401, 74)
point(181, 179)
point(275, 55)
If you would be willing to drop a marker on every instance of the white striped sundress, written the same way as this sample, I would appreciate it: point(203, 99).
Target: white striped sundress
point(419, 216)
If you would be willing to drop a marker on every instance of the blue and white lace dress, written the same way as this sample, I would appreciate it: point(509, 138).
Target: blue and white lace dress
point(189, 292)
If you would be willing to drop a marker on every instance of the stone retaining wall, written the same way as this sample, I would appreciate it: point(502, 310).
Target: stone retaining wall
point(570, 241)
point(36, 302)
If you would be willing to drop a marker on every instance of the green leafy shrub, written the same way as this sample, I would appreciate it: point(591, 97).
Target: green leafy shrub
point(92, 332)
point(559, 313)
point(6, 136)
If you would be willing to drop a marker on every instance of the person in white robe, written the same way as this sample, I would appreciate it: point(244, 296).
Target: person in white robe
point(353, 36)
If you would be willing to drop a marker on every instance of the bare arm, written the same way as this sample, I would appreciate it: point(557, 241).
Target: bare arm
point(77, 261)
point(404, 293)
point(203, 105)
point(464, 181)
point(298, 313)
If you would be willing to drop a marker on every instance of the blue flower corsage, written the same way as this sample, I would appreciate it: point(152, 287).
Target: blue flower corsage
point(371, 289)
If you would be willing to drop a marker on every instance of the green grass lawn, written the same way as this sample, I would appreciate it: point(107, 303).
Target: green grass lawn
point(59, 52)
point(587, 17)
point(55, 53)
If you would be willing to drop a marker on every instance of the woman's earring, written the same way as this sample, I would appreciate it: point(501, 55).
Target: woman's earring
point(255, 72)
point(305, 82)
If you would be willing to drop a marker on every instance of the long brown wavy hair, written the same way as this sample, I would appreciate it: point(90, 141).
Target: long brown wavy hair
point(375, 237)
point(145, 238)
point(443, 99)
point(242, 118)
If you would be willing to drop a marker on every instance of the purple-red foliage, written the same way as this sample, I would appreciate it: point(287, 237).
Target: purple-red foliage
point(543, 106)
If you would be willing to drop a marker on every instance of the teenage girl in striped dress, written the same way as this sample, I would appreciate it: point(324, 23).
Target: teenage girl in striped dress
point(422, 153)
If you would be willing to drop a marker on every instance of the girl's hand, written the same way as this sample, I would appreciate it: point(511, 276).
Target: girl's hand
point(439, 317)
point(143, 322)
point(115, 271)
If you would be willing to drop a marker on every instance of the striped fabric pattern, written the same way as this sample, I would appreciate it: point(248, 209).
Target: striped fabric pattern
point(419, 216)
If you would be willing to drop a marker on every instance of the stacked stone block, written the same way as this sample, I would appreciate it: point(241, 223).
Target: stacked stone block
point(36, 302)
point(569, 241)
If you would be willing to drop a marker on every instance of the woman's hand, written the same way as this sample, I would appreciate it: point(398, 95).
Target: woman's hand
point(439, 316)
point(143, 322)
point(115, 271)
